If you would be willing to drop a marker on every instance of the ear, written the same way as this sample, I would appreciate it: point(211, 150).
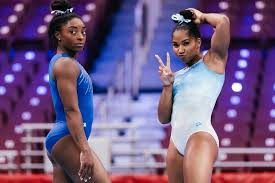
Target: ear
point(199, 42)
point(57, 35)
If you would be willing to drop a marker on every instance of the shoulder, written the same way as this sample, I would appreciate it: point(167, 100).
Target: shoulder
point(66, 67)
point(181, 72)
point(214, 62)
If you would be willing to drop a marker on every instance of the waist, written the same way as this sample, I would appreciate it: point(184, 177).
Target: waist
point(191, 125)
point(190, 113)
point(64, 122)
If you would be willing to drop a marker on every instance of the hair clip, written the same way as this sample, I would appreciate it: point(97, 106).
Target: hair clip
point(178, 18)
point(59, 12)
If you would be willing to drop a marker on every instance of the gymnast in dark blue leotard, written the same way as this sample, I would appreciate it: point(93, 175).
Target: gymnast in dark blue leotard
point(85, 102)
point(72, 95)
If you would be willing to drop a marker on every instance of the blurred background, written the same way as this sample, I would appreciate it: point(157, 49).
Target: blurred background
point(123, 36)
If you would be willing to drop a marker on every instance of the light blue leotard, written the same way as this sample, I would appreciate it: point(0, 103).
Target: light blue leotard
point(195, 91)
point(85, 103)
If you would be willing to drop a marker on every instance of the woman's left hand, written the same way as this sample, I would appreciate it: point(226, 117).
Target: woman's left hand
point(198, 15)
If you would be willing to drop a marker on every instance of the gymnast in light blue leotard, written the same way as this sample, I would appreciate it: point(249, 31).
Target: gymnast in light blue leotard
point(189, 95)
point(195, 91)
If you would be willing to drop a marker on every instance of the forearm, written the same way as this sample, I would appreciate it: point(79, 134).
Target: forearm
point(75, 125)
point(214, 19)
point(165, 105)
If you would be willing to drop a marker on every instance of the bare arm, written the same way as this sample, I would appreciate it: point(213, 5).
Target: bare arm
point(66, 72)
point(165, 105)
point(216, 56)
point(221, 38)
point(166, 100)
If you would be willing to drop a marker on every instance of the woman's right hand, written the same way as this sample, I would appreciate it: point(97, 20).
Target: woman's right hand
point(166, 75)
point(86, 165)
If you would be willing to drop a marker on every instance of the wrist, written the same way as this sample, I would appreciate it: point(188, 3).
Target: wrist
point(203, 18)
point(85, 150)
point(168, 86)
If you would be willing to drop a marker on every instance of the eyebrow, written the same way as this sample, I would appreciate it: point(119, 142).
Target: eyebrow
point(76, 27)
point(187, 39)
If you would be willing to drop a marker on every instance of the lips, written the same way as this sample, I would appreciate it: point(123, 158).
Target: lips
point(79, 45)
point(182, 56)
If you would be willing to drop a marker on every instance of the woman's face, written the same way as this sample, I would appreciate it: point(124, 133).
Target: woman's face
point(72, 36)
point(185, 46)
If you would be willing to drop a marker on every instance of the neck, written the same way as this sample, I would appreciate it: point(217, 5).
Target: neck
point(195, 59)
point(69, 52)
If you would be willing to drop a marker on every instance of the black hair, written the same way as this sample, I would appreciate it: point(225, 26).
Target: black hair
point(59, 19)
point(191, 27)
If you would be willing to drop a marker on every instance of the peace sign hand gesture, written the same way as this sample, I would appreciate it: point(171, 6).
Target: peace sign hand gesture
point(166, 75)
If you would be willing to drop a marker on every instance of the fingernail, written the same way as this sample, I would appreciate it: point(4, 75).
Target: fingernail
point(81, 178)
point(85, 180)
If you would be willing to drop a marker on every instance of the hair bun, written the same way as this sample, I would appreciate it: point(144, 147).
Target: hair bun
point(187, 14)
point(61, 5)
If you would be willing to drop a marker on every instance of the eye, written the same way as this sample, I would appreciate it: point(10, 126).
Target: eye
point(185, 43)
point(175, 45)
point(72, 31)
point(84, 32)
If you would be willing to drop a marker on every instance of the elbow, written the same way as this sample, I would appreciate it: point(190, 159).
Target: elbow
point(225, 19)
point(71, 111)
point(164, 120)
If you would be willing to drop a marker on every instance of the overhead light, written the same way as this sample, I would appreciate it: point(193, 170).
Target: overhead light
point(29, 55)
point(239, 75)
point(4, 30)
point(242, 63)
point(26, 115)
point(48, 18)
point(269, 142)
point(42, 29)
point(9, 144)
point(244, 53)
point(34, 101)
point(228, 127)
point(271, 127)
point(17, 67)
point(90, 7)
point(12, 19)
point(9, 78)
point(237, 87)
point(3, 90)
point(256, 28)
point(272, 113)
point(223, 5)
point(268, 157)
point(235, 100)
point(18, 7)
point(231, 113)
point(259, 4)
point(258, 16)
point(41, 90)
point(86, 18)
point(226, 142)
point(46, 78)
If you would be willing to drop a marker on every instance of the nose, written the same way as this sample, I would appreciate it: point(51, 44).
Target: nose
point(80, 36)
point(181, 49)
